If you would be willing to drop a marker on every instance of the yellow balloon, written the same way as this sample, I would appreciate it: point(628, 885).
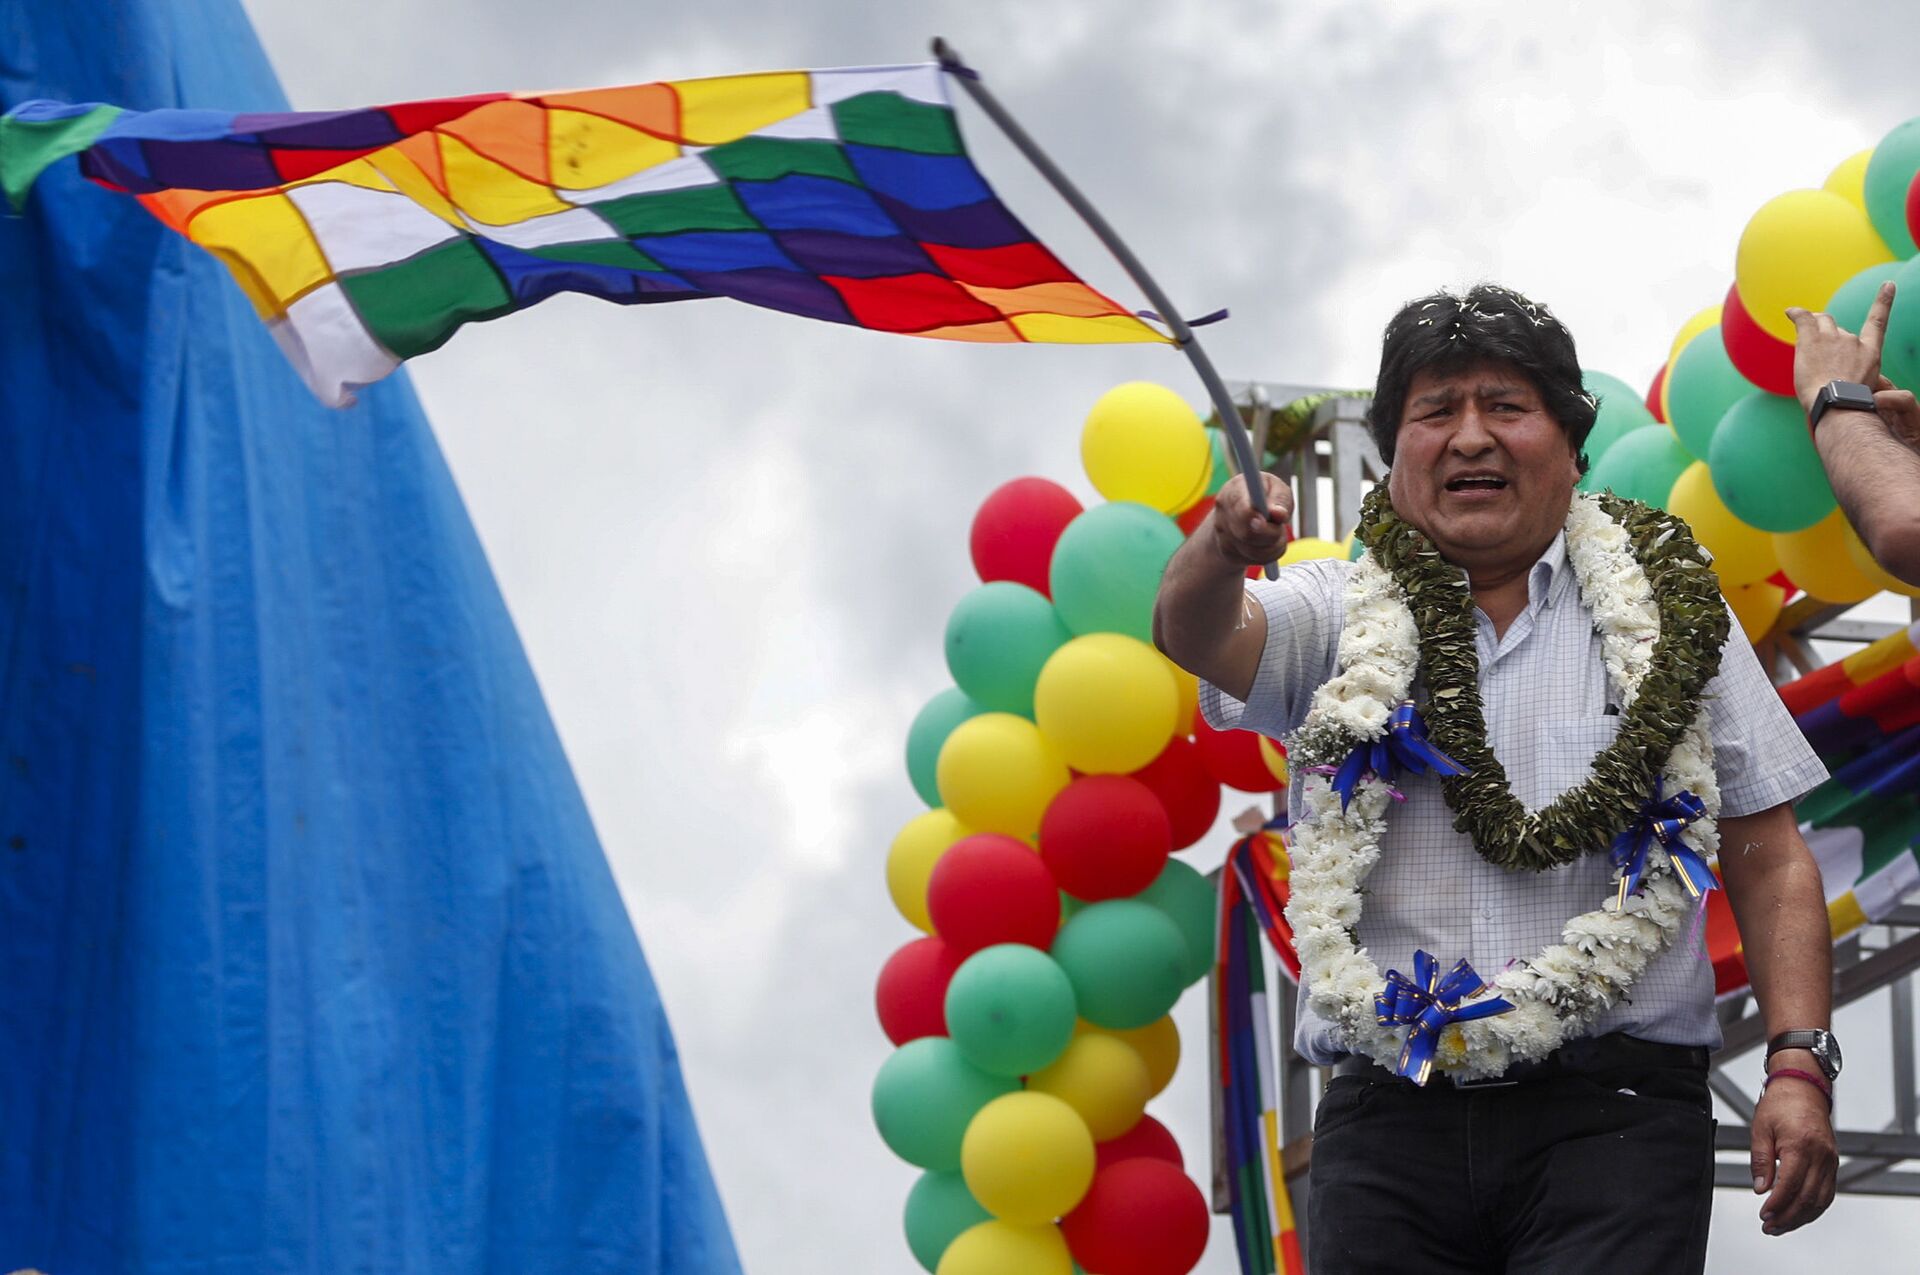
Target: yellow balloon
point(1007, 1248)
point(1158, 1044)
point(1816, 560)
point(1796, 250)
point(910, 862)
point(1700, 322)
point(1756, 606)
point(1741, 553)
point(1103, 1078)
point(1849, 178)
point(1027, 1157)
point(1106, 702)
point(997, 773)
point(1143, 443)
point(1187, 690)
point(1862, 558)
point(1307, 548)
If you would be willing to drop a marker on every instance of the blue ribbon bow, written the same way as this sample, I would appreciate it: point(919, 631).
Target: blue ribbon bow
point(1405, 747)
point(1662, 819)
point(1430, 1002)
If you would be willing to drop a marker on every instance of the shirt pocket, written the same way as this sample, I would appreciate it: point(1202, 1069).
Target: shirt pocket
point(1562, 755)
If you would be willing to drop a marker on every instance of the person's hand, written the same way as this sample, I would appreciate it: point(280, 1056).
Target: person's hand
point(1898, 409)
point(1240, 533)
point(1824, 351)
point(1794, 1157)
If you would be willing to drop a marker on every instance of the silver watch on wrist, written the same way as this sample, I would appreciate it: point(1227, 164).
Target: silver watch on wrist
point(1818, 1041)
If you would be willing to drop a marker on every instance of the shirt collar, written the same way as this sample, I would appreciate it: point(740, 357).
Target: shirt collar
point(1546, 579)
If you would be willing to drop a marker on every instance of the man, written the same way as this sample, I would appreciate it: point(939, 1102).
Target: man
point(1865, 429)
point(1597, 1158)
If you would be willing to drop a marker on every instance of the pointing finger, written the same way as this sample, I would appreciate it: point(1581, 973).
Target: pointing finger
point(1873, 332)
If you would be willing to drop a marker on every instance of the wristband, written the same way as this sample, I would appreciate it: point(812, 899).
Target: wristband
point(1818, 1082)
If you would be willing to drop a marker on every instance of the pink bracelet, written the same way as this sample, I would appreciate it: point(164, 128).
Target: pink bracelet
point(1818, 1082)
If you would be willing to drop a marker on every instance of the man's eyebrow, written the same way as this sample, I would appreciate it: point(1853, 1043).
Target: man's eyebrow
point(1502, 390)
point(1437, 398)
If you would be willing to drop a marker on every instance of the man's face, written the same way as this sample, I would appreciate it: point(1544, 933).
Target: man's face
point(1481, 467)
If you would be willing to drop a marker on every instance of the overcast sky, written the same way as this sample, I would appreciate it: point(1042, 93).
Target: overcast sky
point(730, 538)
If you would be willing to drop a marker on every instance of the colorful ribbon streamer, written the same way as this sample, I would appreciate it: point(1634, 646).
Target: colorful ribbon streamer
point(1662, 819)
point(1404, 747)
point(1430, 1002)
point(1253, 894)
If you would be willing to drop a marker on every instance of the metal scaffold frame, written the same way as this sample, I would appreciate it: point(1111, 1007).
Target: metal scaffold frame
point(1330, 460)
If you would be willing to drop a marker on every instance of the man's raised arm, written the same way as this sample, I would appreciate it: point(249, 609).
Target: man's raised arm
point(1870, 455)
point(1203, 619)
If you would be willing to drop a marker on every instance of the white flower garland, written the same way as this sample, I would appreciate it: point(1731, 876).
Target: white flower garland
point(1600, 953)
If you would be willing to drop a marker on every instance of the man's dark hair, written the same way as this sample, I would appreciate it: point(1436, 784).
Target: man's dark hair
point(1445, 334)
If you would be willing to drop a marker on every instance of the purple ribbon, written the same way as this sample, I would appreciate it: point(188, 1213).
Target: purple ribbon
point(1429, 1003)
point(1404, 747)
point(1662, 819)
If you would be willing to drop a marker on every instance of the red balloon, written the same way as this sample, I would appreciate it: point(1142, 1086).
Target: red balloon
point(1198, 513)
point(988, 889)
point(1653, 394)
point(1015, 530)
point(1179, 778)
point(1913, 206)
point(1148, 1139)
point(1757, 354)
point(1105, 837)
point(912, 993)
point(1140, 1217)
point(1235, 758)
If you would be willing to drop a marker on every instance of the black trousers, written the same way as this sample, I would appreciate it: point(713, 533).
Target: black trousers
point(1604, 1171)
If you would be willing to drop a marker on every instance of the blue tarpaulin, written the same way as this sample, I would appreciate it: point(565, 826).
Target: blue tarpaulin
point(310, 960)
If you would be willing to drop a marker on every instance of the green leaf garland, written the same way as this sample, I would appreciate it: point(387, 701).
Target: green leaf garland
point(1585, 819)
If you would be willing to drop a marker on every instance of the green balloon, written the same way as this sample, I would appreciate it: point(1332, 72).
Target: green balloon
point(1850, 301)
point(1900, 353)
point(939, 1207)
point(1190, 902)
point(1764, 466)
point(1642, 466)
point(1127, 961)
point(930, 729)
point(1889, 173)
point(1107, 567)
point(925, 1095)
point(1010, 1009)
point(998, 637)
point(1701, 385)
point(1622, 410)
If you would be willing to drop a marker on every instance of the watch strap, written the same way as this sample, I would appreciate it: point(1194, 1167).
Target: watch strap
point(1803, 1039)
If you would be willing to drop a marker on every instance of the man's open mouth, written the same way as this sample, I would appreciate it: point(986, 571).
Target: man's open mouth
point(1477, 482)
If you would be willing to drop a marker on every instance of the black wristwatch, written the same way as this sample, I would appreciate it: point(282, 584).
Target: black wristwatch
point(1819, 1042)
point(1848, 396)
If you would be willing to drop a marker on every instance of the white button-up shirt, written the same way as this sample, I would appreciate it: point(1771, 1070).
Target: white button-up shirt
point(1549, 710)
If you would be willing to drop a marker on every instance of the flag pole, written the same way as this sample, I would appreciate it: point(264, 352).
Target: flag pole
point(1183, 336)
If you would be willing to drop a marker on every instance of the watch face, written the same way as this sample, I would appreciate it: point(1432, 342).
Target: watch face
point(1827, 1050)
point(1851, 394)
